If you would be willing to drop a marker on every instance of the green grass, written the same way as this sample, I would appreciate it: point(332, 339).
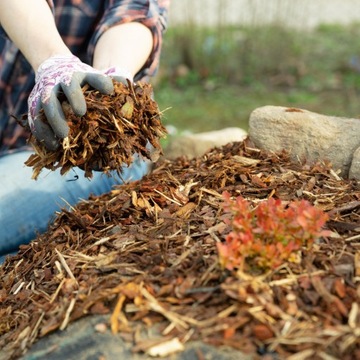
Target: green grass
point(195, 109)
point(231, 71)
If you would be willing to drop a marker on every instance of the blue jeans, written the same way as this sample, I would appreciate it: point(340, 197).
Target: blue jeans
point(27, 206)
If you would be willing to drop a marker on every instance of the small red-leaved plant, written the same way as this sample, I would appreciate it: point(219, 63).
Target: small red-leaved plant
point(266, 236)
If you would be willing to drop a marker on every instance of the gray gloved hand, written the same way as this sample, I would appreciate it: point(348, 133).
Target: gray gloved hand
point(61, 73)
point(119, 74)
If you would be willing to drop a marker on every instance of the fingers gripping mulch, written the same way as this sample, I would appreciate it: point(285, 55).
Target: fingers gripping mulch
point(146, 254)
point(114, 128)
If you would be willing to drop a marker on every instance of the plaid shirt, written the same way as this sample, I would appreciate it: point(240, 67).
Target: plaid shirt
point(80, 31)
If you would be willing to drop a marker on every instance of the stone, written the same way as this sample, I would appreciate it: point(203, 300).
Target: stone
point(308, 136)
point(81, 340)
point(193, 145)
point(354, 172)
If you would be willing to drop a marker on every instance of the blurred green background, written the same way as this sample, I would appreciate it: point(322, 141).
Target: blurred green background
point(213, 77)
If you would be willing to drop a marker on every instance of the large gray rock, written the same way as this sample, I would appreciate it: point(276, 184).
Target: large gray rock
point(354, 172)
point(82, 341)
point(308, 136)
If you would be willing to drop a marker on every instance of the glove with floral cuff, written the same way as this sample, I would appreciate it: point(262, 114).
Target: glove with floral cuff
point(68, 74)
point(119, 74)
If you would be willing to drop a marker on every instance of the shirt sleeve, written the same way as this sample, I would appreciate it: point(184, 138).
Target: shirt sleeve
point(151, 13)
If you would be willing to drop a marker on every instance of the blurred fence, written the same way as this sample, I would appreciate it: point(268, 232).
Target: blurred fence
point(210, 41)
point(293, 13)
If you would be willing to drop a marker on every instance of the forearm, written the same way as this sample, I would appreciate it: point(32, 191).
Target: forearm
point(126, 46)
point(30, 25)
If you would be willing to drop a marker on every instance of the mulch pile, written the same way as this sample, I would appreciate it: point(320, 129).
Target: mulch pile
point(146, 254)
point(114, 128)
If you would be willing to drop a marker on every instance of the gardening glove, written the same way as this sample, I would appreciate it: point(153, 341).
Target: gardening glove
point(68, 74)
point(119, 74)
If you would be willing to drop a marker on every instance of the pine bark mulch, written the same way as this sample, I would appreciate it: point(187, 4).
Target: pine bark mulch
point(114, 128)
point(146, 254)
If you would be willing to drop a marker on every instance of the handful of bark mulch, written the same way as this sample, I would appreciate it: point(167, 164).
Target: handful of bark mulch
point(114, 128)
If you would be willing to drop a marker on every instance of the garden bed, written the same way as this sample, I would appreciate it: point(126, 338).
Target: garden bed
point(147, 254)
